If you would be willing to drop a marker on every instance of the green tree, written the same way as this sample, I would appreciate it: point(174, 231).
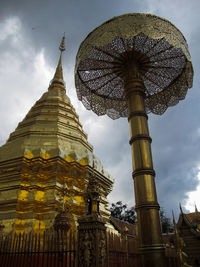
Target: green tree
point(167, 226)
point(122, 212)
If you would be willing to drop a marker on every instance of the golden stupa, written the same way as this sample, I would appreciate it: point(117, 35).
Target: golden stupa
point(46, 164)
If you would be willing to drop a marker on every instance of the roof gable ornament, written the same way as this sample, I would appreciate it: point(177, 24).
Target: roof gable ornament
point(181, 210)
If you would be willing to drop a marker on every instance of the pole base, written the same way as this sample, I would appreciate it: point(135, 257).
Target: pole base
point(153, 257)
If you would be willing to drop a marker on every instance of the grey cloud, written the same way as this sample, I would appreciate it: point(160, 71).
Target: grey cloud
point(44, 21)
point(175, 135)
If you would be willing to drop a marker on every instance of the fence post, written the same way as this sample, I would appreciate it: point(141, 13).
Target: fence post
point(92, 245)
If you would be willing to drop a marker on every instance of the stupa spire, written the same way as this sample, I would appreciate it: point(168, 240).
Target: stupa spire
point(196, 210)
point(58, 81)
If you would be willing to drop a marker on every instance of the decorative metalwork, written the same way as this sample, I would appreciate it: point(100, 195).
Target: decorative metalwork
point(161, 51)
point(128, 66)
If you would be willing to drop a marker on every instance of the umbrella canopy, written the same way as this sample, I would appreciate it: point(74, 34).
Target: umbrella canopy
point(158, 48)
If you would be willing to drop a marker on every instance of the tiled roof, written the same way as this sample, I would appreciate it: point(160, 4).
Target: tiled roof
point(121, 225)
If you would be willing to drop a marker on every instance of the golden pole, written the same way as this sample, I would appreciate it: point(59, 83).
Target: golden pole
point(130, 50)
point(147, 206)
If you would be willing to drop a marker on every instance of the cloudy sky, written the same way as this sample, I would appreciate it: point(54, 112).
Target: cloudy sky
point(30, 32)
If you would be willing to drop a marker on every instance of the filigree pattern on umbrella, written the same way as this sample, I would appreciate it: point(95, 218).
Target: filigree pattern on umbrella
point(163, 63)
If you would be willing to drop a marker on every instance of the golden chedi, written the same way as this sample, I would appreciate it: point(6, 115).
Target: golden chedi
point(46, 164)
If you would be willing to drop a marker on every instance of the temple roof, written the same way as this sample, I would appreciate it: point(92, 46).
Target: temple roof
point(123, 226)
point(191, 220)
point(52, 128)
point(193, 217)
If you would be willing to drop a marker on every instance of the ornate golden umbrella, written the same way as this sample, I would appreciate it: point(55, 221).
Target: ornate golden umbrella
point(127, 67)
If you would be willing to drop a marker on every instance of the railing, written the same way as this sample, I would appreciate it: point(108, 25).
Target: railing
point(38, 250)
point(122, 251)
point(58, 249)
